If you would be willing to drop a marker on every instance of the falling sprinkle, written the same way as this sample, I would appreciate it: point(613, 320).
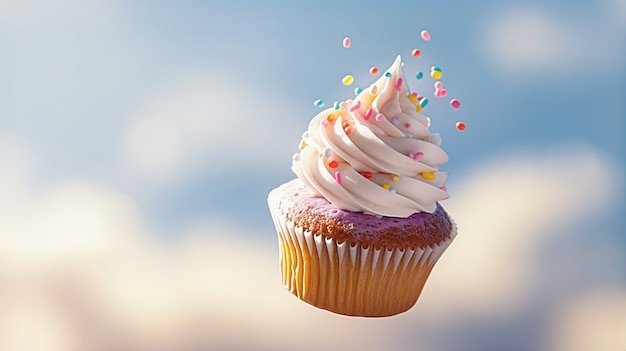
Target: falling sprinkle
point(425, 35)
point(419, 75)
point(460, 126)
point(373, 71)
point(455, 103)
point(318, 103)
point(416, 53)
point(435, 74)
point(346, 42)
point(347, 80)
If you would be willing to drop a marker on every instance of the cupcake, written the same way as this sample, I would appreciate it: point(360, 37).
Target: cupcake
point(361, 227)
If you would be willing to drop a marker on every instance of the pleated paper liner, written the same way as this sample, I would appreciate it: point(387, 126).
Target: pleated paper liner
point(353, 280)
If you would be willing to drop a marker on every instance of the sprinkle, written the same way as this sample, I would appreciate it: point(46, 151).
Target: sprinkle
point(435, 68)
point(357, 91)
point(333, 164)
point(346, 42)
point(395, 120)
point(318, 103)
point(367, 174)
point(423, 102)
point(368, 113)
point(413, 98)
point(328, 152)
point(418, 108)
point(344, 105)
point(355, 106)
point(386, 186)
point(425, 35)
point(395, 178)
point(435, 74)
point(443, 188)
point(305, 135)
point(331, 118)
point(336, 105)
point(338, 177)
point(373, 70)
point(302, 145)
point(416, 53)
point(392, 190)
point(399, 84)
point(416, 156)
point(438, 85)
point(296, 157)
point(460, 126)
point(419, 75)
point(408, 135)
point(428, 175)
point(455, 103)
point(325, 123)
point(347, 80)
point(387, 74)
point(373, 89)
point(379, 117)
point(441, 93)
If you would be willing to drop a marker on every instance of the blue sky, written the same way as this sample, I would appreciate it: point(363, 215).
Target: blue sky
point(175, 119)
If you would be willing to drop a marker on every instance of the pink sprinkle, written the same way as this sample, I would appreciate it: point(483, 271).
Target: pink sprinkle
point(355, 106)
point(379, 117)
point(368, 113)
point(444, 188)
point(325, 123)
point(407, 125)
point(414, 93)
point(416, 156)
point(344, 105)
point(399, 84)
point(441, 92)
point(438, 84)
point(338, 177)
point(425, 35)
point(455, 103)
point(346, 42)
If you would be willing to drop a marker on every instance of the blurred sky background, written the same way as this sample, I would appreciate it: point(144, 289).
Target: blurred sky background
point(139, 140)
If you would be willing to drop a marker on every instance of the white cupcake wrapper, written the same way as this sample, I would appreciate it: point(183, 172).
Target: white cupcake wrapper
point(353, 280)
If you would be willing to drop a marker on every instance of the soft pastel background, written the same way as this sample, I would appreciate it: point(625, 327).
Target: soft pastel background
point(139, 139)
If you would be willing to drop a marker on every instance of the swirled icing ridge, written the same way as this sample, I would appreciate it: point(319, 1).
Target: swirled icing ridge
point(375, 154)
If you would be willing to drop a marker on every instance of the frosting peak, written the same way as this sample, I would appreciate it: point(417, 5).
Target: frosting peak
point(375, 153)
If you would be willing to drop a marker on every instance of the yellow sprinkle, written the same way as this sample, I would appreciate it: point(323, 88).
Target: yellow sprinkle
point(413, 98)
point(428, 175)
point(303, 144)
point(331, 118)
point(395, 178)
point(386, 186)
point(418, 108)
point(347, 80)
point(435, 74)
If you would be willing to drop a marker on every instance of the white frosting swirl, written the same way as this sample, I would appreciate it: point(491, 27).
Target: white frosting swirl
point(375, 154)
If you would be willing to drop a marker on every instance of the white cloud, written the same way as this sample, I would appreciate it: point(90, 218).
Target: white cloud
point(522, 40)
point(201, 119)
point(80, 265)
point(594, 321)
